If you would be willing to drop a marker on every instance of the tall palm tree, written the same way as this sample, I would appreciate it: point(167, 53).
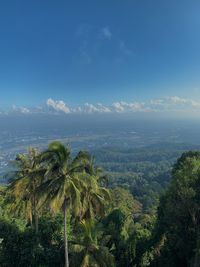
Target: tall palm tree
point(61, 189)
point(22, 189)
point(94, 197)
point(88, 252)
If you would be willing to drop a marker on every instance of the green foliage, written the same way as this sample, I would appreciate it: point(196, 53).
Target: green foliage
point(123, 200)
point(178, 214)
point(24, 248)
point(21, 192)
point(105, 228)
point(144, 171)
point(89, 251)
point(51, 182)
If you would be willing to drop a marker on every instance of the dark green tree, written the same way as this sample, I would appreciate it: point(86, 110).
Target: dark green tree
point(21, 192)
point(63, 185)
point(178, 224)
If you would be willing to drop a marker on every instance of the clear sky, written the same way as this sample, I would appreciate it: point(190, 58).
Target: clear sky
point(98, 51)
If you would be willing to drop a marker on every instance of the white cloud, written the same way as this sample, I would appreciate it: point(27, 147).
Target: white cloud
point(118, 107)
point(177, 100)
point(164, 105)
point(156, 102)
point(106, 33)
point(58, 105)
point(130, 107)
point(102, 108)
point(91, 108)
point(124, 49)
point(22, 110)
point(195, 104)
point(89, 41)
point(175, 103)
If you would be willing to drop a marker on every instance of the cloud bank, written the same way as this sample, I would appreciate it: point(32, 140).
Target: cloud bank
point(58, 105)
point(160, 105)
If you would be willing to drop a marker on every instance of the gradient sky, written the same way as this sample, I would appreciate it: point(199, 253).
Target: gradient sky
point(98, 51)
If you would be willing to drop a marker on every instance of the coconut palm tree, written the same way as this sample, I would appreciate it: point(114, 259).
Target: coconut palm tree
point(62, 185)
point(88, 252)
point(22, 196)
point(94, 197)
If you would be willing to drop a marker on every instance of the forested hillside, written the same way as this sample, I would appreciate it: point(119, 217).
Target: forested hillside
point(144, 171)
point(61, 209)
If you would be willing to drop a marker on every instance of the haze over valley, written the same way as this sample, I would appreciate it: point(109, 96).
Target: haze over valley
point(135, 151)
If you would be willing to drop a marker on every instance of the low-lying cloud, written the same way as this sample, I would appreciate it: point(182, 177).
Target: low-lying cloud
point(165, 104)
point(58, 105)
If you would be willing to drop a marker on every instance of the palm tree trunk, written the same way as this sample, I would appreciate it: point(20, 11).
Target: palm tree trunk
point(36, 222)
point(35, 213)
point(65, 234)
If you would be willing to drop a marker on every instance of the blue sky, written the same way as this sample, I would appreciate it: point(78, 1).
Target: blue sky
point(98, 51)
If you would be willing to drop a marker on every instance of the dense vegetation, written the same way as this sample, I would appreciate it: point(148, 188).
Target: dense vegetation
point(60, 210)
point(145, 171)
